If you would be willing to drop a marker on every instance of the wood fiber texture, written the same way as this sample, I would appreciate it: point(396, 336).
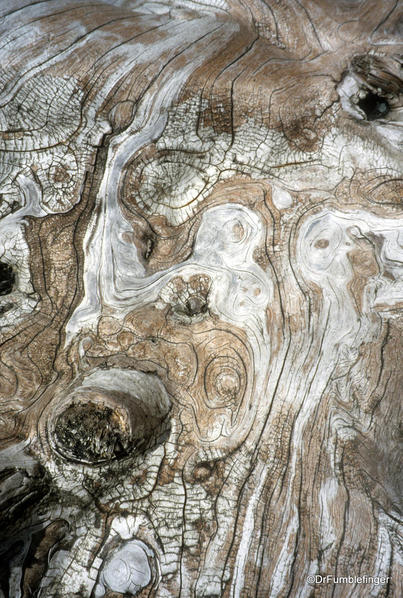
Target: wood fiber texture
point(201, 291)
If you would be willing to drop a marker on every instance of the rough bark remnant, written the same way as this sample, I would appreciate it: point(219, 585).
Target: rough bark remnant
point(201, 283)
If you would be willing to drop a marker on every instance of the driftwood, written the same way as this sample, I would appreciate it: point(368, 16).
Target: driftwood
point(201, 282)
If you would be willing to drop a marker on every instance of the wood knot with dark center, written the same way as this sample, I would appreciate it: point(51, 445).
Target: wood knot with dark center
point(374, 106)
point(92, 433)
point(108, 415)
point(7, 278)
point(188, 299)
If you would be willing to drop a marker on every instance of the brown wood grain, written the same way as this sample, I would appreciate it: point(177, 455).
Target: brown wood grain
point(201, 283)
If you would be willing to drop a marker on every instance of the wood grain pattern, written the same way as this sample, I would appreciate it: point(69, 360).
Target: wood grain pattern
point(201, 283)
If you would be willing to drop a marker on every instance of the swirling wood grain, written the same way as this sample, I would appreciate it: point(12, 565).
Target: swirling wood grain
point(201, 283)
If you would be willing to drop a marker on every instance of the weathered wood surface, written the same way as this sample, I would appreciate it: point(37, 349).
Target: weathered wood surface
point(201, 285)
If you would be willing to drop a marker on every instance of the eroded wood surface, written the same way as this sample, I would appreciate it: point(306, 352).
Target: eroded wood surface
point(201, 284)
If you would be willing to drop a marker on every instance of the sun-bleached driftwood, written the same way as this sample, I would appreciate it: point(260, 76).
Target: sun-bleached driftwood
point(201, 282)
